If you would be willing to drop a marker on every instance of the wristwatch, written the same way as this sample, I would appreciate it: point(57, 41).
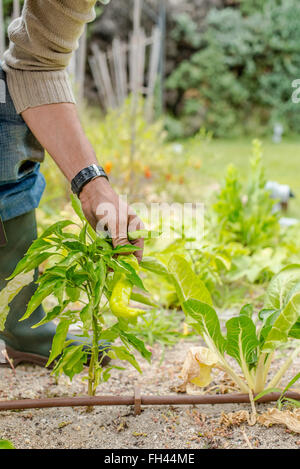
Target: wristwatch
point(86, 175)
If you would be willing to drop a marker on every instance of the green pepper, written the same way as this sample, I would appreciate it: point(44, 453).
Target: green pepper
point(120, 297)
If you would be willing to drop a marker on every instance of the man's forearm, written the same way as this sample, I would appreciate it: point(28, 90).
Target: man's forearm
point(58, 129)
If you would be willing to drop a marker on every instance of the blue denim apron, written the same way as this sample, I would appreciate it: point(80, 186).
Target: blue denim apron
point(21, 183)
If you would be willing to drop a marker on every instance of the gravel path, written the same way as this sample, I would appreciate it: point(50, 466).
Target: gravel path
point(165, 427)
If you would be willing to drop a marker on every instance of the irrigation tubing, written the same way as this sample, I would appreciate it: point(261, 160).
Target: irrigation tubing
point(138, 400)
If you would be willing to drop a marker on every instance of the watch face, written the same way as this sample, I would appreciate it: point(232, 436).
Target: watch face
point(86, 175)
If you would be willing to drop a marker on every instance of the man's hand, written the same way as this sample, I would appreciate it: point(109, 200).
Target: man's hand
point(106, 211)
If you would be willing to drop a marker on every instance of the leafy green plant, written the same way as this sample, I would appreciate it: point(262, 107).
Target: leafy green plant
point(243, 242)
point(236, 75)
point(6, 444)
point(159, 326)
point(252, 345)
point(246, 215)
point(186, 30)
point(83, 276)
point(282, 400)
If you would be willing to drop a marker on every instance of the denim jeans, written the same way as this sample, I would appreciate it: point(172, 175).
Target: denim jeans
point(21, 183)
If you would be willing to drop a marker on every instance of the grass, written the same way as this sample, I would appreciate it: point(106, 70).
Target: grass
point(281, 161)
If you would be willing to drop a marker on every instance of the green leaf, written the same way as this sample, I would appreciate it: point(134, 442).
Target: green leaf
point(10, 291)
point(75, 246)
point(71, 362)
point(59, 339)
point(42, 292)
point(50, 315)
point(76, 205)
point(125, 249)
point(53, 272)
point(136, 343)
point(242, 341)
point(265, 313)
point(280, 287)
point(269, 317)
point(247, 310)
point(38, 245)
point(208, 321)
point(292, 401)
point(295, 330)
point(109, 334)
point(225, 260)
point(123, 354)
point(86, 316)
point(291, 382)
point(141, 298)
point(100, 273)
point(73, 293)
point(83, 232)
point(71, 258)
point(59, 290)
point(120, 266)
point(187, 283)
point(145, 234)
point(29, 263)
point(155, 266)
point(265, 392)
point(287, 318)
point(56, 228)
point(77, 277)
point(6, 444)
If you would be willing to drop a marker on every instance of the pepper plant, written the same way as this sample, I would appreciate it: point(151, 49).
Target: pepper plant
point(86, 275)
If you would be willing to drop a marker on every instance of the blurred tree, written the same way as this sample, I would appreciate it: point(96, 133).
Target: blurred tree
point(248, 7)
point(240, 78)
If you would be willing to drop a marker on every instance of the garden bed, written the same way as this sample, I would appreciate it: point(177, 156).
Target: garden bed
point(158, 427)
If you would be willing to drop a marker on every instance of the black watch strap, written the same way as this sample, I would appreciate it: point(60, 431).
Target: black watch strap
point(86, 175)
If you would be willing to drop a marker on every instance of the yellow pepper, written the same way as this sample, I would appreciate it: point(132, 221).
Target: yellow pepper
point(121, 293)
point(119, 300)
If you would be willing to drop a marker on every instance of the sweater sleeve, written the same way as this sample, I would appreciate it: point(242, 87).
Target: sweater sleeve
point(42, 41)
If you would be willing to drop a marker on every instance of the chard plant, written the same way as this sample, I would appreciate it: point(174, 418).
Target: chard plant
point(87, 276)
point(246, 215)
point(251, 342)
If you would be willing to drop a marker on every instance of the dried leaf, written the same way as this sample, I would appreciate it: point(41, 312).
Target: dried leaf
point(197, 368)
point(291, 419)
point(235, 418)
point(246, 439)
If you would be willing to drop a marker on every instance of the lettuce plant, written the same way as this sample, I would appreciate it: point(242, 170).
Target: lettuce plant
point(251, 342)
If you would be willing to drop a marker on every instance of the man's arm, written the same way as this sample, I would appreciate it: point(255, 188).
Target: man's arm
point(42, 41)
point(58, 129)
point(41, 44)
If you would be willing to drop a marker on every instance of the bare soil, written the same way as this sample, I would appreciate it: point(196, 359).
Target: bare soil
point(158, 427)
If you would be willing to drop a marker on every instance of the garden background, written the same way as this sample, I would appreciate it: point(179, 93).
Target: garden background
point(224, 123)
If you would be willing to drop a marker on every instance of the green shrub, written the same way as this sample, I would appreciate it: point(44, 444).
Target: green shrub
point(240, 77)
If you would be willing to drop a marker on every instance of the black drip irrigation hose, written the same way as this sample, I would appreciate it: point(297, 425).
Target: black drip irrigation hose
point(138, 400)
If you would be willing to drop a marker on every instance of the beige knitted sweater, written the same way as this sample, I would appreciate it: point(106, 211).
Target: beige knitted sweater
point(41, 44)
